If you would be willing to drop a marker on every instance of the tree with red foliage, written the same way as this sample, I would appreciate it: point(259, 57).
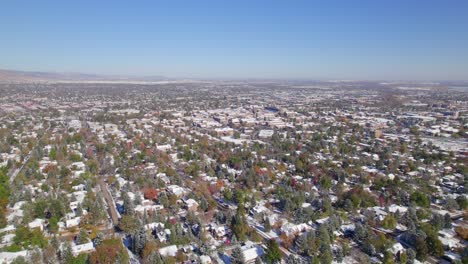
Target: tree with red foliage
point(293, 182)
point(150, 194)
point(382, 200)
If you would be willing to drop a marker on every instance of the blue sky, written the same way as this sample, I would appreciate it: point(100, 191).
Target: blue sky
point(329, 39)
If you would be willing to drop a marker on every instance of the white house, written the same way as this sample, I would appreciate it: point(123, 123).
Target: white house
point(164, 147)
point(73, 222)
point(169, 251)
point(10, 256)
point(37, 223)
point(87, 247)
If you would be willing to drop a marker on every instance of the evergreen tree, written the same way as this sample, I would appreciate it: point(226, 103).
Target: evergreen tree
point(20, 260)
point(462, 201)
point(154, 258)
point(203, 204)
point(421, 248)
point(403, 258)
point(292, 259)
point(368, 248)
point(139, 240)
point(335, 222)
point(311, 244)
point(129, 207)
point(451, 204)
point(237, 257)
point(83, 237)
point(35, 256)
point(239, 225)
point(348, 205)
point(301, 244)
point(325, 253)
point(411, 256)
point(272, 253)
point(267, 225)
point(360, 233)
point(253, 202)
point(388, 258)
point(55, 242)
point(137, 200)
point(66, 254)
point(129, 224)
point(434, 245)
point(145, 217)
point(339, 255)
point(98, 239)
point(234, 240)
point(447, 221)
point(437, 221)
point(79, 210)
point(323, 234)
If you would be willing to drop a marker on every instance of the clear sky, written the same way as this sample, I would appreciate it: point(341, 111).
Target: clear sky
point(329, 39)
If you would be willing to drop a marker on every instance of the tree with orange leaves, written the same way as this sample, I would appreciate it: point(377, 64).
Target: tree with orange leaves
point(150, 194)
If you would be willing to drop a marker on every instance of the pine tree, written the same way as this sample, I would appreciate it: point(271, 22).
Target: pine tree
point(55, 242)
point(326, 255)
point(311, 244)
point(145, 217)
point(315, 260)
point(339, 255)
point(204, 249)
point(83, 237)
point(79, 210)
point(301, 244)
point(411, 255)
point(237, 257)
point(204, 204)
point(292, 259)
point(334, 222)
point(234, 240)
point(35, 256)
point(239, 225)
point(348, 205)
point(403, 258)
point(20, 260)
point(360, 233)
point(139, 240)
point(98, 239)
point(272, 253)
point(137, 200)
point(323, 234)
point(267, 225)
point(155, 258)
point(421, 248)
point(129, 207)
point(66, 253)
point(388, 258)
point(447, 221)
point(253, 202)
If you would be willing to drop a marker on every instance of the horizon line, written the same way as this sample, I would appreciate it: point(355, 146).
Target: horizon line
point(128, 77)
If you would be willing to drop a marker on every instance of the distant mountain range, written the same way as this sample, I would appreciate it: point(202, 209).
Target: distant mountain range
point(15, 76)
point(33, 76)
